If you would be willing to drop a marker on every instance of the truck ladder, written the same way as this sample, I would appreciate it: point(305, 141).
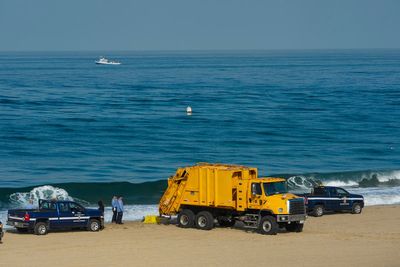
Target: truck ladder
point(251, 221)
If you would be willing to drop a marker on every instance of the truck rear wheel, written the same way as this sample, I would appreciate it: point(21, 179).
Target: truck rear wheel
point(318, 211)
point(294, 227)
point(268, 226)
point(356, 209)
point(186, 218)
point(204, 220)
point(40, 228)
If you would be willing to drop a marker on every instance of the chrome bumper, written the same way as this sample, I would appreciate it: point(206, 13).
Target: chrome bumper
point(291, 218)
point(18, 224)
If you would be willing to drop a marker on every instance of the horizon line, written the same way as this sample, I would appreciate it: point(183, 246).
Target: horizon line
point(201, 50)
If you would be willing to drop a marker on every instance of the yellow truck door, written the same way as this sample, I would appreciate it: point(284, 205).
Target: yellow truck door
point(254, 196)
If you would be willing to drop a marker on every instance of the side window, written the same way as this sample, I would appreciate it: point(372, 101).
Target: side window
point(63, 207)
point(319, 191)
point(256, 189)
point(48, 206)
point(341, 192)
point(75, 207)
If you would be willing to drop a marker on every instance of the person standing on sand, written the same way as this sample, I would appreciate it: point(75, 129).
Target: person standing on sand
point(114, 204)
point(101, 206)
point(120, 209)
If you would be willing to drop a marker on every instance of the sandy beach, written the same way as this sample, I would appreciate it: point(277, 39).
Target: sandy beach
point(369, 239)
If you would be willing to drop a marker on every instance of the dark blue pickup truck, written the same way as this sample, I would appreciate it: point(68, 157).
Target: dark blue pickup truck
point(55, 215)
point(329, 198)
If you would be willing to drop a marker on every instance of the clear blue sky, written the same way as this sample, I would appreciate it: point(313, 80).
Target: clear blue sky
point(198, 24)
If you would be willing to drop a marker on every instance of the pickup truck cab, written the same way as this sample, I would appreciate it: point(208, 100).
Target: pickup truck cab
point(55, 215)
point(330, 198)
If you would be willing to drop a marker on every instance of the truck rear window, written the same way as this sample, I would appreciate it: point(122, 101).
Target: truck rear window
point(320, 191)
point(48, 206)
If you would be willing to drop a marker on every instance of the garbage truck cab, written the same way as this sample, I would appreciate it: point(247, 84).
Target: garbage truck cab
point(270, 195)
point(204, 193)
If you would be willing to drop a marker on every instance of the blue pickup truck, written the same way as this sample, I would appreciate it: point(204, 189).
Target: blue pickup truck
point(55, 215)
point(330, 198)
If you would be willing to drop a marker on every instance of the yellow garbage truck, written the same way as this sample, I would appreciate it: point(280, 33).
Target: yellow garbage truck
point(204, 194)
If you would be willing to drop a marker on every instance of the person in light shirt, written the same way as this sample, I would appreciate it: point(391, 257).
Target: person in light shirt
point(114, 204)
point(120, 210)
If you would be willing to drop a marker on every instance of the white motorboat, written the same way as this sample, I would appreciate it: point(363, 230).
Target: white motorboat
point(104, 61)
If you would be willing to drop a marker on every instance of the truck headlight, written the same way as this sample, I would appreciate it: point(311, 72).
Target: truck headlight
point(280, 210)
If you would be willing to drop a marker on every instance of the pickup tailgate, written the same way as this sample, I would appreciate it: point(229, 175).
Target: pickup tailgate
point(16, 214)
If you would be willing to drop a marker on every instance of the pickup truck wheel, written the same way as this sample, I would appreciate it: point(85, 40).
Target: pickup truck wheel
point(204, 220)
point(40, 228)
point(318, 211)
point(186, 219)
point(94, 225)
point(294, 227)
point(356, 208)
point(268, 226)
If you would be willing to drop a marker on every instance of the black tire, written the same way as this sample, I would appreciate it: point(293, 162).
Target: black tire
point(204, 220)
point(186, 218)
point(94, 225)
point(226, 222)
point(268, 226)
point(356, 209)
point(41, 228)
point(294, 227)
point(318, 211)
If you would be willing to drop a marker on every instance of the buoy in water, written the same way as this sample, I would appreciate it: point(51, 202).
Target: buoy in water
point(189, 110)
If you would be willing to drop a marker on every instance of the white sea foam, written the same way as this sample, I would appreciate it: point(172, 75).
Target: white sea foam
point(133, 212)
point(386, 176)
point(379, 195)
point(340, 183)
point(41, 192)
point(3, 217)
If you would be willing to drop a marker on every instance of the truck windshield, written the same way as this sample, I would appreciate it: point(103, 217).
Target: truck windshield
point(275, 188)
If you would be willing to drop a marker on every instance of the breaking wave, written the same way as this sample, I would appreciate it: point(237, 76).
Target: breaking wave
point(378, 188)
point(41, 192)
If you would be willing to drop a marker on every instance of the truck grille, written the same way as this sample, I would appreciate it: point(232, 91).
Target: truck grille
point(296, 206)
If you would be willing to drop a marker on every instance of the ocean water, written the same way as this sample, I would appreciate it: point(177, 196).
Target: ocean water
point(73, 129)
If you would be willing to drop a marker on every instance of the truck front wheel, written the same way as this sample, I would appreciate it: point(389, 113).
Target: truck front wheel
point(268, 226)
point(294, 227)
point(318, 211)
point(186, 219)
point(94, 225)
point(204, 220)
point(356, 208)
point(40, 228)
